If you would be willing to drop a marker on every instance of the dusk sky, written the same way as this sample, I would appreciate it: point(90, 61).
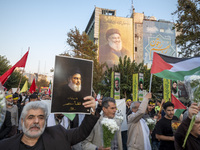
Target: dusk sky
point(42, 25)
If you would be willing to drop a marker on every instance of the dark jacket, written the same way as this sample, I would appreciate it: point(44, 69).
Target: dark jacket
point(192, 143)
point(6, 127)
point(56, 137)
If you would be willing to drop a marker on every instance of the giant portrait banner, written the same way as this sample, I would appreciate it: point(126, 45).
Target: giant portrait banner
point(72, 82)
point(115, 39)
point(158, 37)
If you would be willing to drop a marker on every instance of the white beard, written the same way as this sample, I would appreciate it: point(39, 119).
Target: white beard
point(74, 87)
point(26, 131)
point(116, 46)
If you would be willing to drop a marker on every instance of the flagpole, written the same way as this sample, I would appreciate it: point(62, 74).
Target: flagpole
point(22, 74)
point(150, 83)
point(20, 80)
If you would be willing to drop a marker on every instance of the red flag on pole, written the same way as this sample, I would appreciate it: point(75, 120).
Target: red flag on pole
point(49, 90)
point(33, 87)
point(20, 63)
point(177, 103)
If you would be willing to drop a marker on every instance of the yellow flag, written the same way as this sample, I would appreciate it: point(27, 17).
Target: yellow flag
point(25, 87)
point(135, 87)
point(166, 90)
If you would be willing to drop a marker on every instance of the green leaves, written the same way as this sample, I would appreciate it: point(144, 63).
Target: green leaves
point(188, 25)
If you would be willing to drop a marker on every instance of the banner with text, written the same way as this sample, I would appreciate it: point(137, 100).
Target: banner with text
point(135, 87)
point(166, 90)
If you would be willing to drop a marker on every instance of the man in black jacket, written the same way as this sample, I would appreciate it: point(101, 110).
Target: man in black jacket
point(37, 136)
point(193, 141)
point(6, 126)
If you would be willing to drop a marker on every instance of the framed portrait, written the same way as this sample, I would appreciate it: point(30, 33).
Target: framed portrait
point(72, 82)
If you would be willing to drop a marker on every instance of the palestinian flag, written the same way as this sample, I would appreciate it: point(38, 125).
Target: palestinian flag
point(179, 108)
point(174, 68)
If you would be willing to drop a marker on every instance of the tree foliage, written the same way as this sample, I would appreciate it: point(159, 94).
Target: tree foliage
point(14, 79)
point(126, 68)
point(42, 83)
point(188, 24)
point(82, 47)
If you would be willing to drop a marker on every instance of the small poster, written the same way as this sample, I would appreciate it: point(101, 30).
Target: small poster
point(117, 85)
point(174, 88)
point(140, 86)
point(72, 82)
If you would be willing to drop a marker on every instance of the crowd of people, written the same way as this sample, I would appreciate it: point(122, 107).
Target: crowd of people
point(28, 124)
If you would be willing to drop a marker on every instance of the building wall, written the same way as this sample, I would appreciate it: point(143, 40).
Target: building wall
point(138, 42)
point(158, 36)
point(141, 34)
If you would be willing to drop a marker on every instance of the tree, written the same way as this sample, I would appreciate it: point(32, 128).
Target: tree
point(82, 47)
point(42, 83)
point(14, 79)
point(126, 68)
point(188, 25)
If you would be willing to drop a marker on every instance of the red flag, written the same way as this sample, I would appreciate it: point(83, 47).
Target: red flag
point(20, 63)
point(177, 103)
point(33, 87)
point(49, 90)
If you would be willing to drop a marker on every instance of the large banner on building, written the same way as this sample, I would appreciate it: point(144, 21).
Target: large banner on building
point(158, 37)
point(115, 39)
point(117, 86)
point(135, 87)
point(166, 90)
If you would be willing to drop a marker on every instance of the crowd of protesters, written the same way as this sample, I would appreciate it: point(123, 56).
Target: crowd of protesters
point(138, 135)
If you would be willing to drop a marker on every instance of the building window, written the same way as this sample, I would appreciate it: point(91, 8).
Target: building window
point(135, 49)
point(108, 12)
point(162, 30)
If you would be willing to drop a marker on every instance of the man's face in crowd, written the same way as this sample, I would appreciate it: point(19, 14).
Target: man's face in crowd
point(15, 102)
point(34, 123)
point(115, 42)
point(10, 101)
point(135, 109)
point(150, 107)
point(196, 128)
point(158, 103)
point(46, 97)
point(76, 79)
point(169, 112)
point(128, 103)
point(110, 111)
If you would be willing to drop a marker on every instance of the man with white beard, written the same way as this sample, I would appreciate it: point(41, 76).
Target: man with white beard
point(75, 82)
point(114, 49)
point(37, 136)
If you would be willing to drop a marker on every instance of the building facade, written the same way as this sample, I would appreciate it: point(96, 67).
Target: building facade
point(140, 36)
